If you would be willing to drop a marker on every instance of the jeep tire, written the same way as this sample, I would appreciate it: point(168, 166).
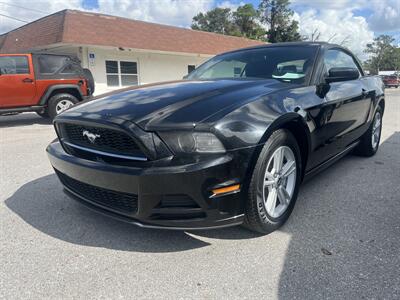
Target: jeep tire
point(60, 103)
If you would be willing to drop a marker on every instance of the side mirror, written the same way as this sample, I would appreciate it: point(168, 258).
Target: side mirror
point(342, 74)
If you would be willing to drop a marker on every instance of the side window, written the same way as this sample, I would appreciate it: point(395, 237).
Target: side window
point(290, 70)
point(191, 68)
point(225, 69)
point(51, 64)
point(14, 65)
point(71, 68)
point(338, 59)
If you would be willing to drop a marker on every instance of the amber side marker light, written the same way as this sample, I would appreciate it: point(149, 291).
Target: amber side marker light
point(228, 189)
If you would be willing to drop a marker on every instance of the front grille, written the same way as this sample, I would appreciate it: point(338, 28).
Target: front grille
point(123, 202)
point(106, 140)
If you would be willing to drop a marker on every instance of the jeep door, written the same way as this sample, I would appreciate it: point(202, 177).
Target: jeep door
point(17, 81)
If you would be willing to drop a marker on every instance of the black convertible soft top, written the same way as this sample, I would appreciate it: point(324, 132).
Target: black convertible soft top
point(56, 66)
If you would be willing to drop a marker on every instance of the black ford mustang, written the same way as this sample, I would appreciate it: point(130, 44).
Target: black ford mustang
point(228, 145)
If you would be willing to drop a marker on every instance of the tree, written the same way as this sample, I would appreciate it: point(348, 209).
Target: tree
point(246, 19)
point(242, 22)
point(315, 35)
point(218, 20)
point(383, 55)
point(397, 59)
point(277, 15)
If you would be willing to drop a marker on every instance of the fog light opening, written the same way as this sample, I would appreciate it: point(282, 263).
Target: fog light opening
point(226, 190)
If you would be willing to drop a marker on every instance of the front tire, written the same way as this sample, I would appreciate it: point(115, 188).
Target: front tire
point(60, 103)
point(369, 142)
point(274, 183)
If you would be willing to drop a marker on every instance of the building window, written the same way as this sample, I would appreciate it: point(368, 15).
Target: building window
point(121, 73)
point(112, 73)
point(191, 68)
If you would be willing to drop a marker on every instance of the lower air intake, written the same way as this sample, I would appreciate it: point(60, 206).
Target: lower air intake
point(123, 202)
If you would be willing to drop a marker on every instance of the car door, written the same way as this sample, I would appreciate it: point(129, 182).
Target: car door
point(344, 109)
point(17, 82)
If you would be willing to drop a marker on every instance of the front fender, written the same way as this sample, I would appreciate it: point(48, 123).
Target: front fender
point(244, 128)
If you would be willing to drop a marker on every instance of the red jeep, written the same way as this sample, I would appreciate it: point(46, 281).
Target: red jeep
point(391, 80)
point(45, 83)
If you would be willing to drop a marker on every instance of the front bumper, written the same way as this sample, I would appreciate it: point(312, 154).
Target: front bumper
point(153, 185)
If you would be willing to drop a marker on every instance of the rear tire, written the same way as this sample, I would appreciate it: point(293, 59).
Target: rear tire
point(369, 142)
point(274, 183)
point(60, 103)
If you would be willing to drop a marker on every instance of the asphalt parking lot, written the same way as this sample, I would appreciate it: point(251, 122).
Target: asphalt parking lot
point(342, 240)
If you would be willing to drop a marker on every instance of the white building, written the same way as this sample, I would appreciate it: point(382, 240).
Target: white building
point(119, 51)
point(394, 72)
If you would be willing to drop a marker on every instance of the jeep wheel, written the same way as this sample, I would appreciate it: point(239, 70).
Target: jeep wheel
point(60, 103)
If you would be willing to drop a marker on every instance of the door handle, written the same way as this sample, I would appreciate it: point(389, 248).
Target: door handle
point(27, 80)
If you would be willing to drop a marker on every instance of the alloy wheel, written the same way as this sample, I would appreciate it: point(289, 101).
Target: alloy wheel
point(279, 181)
point(376, 130)
point(63, 105)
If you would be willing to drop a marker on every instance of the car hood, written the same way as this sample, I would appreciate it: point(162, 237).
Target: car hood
point(175, 104)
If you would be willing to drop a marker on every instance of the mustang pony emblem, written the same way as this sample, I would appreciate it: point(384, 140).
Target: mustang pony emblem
point(91, 136)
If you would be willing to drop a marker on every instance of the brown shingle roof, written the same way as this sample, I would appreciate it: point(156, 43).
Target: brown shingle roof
point(72, 26)
point(45, 31)
point(2, 39)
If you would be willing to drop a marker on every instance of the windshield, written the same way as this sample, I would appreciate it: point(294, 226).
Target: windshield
point(290, 64)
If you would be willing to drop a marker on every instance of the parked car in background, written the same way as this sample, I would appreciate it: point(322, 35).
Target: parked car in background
point(391, 81)
point(228, 145)
point(47, 84)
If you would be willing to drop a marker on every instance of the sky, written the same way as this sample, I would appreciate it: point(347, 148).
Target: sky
point(351, 22)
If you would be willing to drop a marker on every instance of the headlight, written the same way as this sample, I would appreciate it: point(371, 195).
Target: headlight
point(193, 142)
